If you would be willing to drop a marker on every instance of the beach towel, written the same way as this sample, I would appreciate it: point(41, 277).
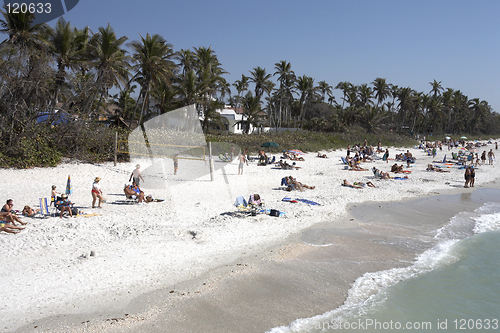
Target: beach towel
point(310, 202)
point(289, 200)
point(400, 178)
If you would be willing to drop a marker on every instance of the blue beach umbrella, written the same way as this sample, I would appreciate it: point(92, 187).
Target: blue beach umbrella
point(69, 188)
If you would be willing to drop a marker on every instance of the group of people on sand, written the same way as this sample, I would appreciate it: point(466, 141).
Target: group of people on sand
point(470, 176)
point(9, 218)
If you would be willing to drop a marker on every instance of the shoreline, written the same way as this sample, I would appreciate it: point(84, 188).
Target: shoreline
point(152, 247)
point(192, 304)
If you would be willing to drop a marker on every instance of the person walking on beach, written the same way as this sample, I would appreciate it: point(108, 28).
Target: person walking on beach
point(467, 176)
point(386, 156)
point(136, 174)
point(96, 192)
point(483, 157)
point(491, 156)
point(176, 164)
point(242, 160)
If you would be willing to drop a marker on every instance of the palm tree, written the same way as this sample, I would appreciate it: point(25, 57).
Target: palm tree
point(259, 78)
point(110, 62)
point(286, 77)
point(381, 89)
point(251, 107)
point(63, 47)
point(345, 87)
point(190, 88)
point(187, 60)
point(22, 32)
point(241, 86)
point(405, 97)
point(365, 95)
point(436, 88)
point(209, 71)
point(152, 56)
point(305, 86)
point(324, 88)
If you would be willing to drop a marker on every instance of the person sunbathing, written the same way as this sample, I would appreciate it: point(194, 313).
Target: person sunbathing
point(322, 155)
point(10, 228)
point(397, 168)
point(369, 184)
point(29, 212)
point(9, 217)
point(347, 184)
point(431, 167)
point(355, 167)
point(296, 158)
point(380, 174)
point(292, 183)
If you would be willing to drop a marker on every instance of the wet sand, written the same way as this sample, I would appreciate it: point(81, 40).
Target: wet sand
point(308, 275)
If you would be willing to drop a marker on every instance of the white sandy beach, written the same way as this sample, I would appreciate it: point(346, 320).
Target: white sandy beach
point(48, 269)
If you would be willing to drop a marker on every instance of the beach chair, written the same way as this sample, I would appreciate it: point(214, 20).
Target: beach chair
point(344, 160)
point(45, 209)
point(224, 158)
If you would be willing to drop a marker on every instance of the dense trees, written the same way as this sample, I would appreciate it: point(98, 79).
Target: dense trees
point(75, 70)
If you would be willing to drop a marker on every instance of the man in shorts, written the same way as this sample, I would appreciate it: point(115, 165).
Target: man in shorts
point(242, 160)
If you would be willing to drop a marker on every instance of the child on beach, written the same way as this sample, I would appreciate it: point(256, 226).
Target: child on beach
point(53, 195)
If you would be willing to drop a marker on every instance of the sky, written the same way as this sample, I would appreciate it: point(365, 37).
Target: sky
point(409, 42)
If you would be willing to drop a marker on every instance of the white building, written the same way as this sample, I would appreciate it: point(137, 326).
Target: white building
point(233, 115)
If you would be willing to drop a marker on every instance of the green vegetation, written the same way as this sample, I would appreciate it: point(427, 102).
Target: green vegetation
point(313, 141)
point(55, 85)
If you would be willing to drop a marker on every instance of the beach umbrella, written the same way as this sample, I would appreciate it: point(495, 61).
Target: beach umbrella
point(270, 144)
point(463, 137)
point(296, 151)
point(447, 138)
point(69, 188)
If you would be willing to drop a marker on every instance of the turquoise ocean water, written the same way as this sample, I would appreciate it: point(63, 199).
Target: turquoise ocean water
point(455, 286)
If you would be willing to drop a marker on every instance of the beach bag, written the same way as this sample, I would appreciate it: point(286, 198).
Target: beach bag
point(74, 211)
point(275, 213)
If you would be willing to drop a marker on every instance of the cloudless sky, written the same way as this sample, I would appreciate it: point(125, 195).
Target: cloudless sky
point(408, 42)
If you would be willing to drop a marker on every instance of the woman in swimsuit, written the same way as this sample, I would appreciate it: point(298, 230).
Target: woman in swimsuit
point(96, 192)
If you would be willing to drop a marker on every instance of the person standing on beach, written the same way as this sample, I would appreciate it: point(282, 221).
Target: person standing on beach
point(231, 153)
point(472, 176)
point(96, 192)
point(136, 174)
point(467, 176)
point(348, 151)
point(491, 156)
point(386, 156)
point(176, 164)
point(242, 160)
